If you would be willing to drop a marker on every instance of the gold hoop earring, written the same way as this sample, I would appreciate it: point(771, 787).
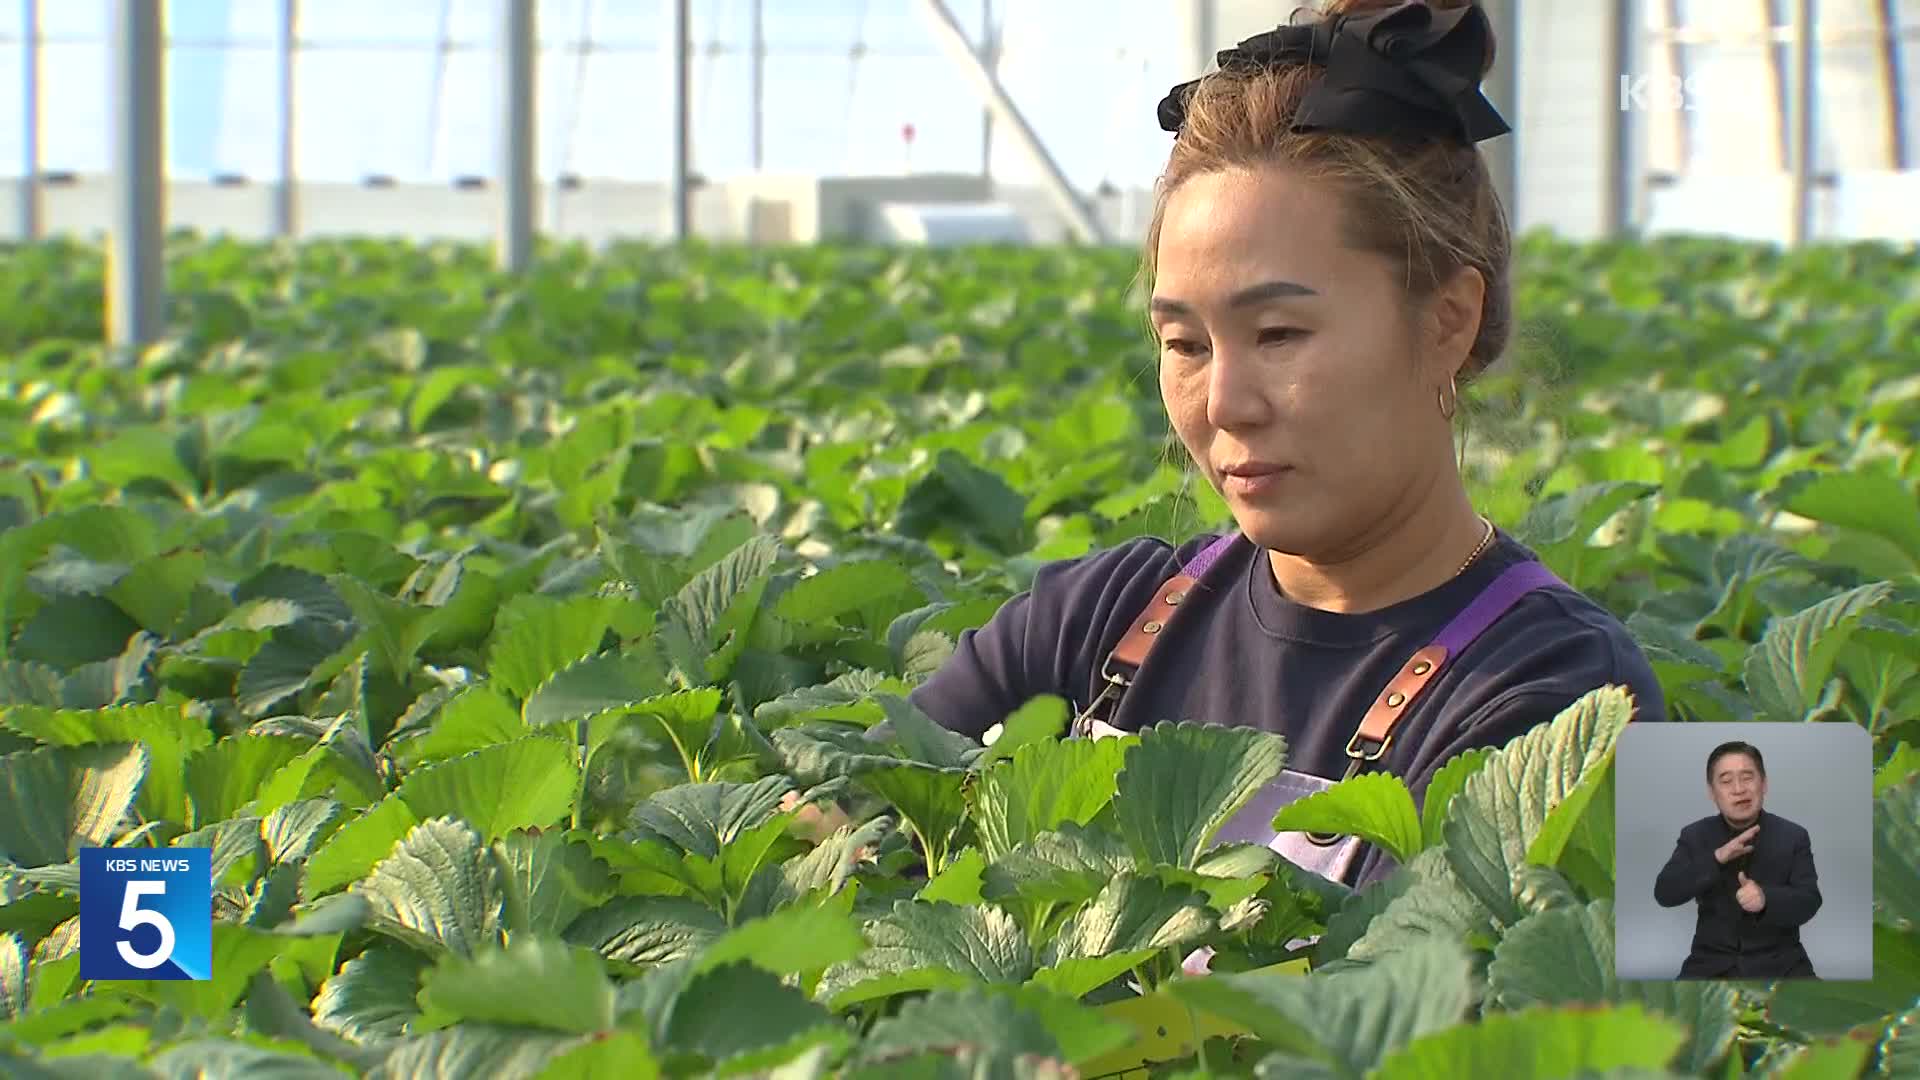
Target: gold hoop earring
point(1449, 399)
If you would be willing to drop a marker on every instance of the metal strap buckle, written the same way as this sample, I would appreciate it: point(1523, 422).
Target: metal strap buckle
point(1354, 751)
point(1083, 723)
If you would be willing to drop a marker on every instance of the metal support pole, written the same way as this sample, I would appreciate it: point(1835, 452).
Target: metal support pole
point(135, 265)
point(1201, 16)
point(947, 31)
point(1502, 88)
point(1893, 83)
point(1805, 102)
point(283, 193)
point(1781, 75)
point(990, 55)
point(30, 119)
point(758, 85)
point(514, 249)
point(1682, 129)
point(1616, 148)
point(680, 93)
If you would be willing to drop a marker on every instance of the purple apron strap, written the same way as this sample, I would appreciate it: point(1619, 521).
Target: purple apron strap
point(1197, 566)
point(1494, 601)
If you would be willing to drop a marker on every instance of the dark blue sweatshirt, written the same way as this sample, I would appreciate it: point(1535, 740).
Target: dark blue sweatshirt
point(1241, 653)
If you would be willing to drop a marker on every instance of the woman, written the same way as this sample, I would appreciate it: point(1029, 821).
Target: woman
point(1329, 267)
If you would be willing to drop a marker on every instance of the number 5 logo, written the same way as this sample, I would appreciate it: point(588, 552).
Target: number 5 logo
point(132, 915)
point(129, 897)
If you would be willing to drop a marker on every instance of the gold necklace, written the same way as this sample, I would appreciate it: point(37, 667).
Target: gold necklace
point(1479, 549)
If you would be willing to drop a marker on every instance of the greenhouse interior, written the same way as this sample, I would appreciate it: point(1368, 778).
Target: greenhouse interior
point(960, 538)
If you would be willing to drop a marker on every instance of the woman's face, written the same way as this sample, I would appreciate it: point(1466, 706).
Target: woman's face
point(1292, 368)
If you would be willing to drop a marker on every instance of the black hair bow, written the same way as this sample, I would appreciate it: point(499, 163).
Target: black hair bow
point(1409, 70)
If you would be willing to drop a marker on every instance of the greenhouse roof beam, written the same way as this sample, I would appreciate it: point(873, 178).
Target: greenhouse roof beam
point(947, 31)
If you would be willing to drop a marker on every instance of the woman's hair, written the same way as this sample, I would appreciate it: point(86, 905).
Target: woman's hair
point(1428, 205)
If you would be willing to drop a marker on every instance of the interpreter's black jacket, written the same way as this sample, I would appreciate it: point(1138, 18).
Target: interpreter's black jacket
point(1729, 942)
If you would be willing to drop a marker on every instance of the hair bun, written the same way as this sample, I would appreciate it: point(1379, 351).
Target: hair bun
point(1334, 8)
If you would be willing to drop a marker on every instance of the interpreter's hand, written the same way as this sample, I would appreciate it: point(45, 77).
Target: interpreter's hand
point(1749, 894)
point(1736, 847)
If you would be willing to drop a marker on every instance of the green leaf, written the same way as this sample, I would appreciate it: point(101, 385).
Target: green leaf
point(1181, 782)
point(1565, 956)
point(1896, 855)
point(842, 590)
point(14, 953)
point(238, 952)
point(706, 1015)
point(222, 779)
point(931, 799)
point(971, 499)
point(545, 638)
point(1351, 1021)
point(1041, 718)
point(597, 685)
point(474, 718)
point(797, 941)
point(703, 819)
point(221, 1059)
point(1442, 788)
point(1377, 807)
point(1871, 503)
point(959, 882)
point(56, 800)
point(353, 849)
point(294, 658)
point(1899, 1050)
point(1429, 902)
point(1348, 922)
point(1902, 763)
point(1042, 786)
point(980, 1019)
point(1834, 1007)
point(922, 946)
point(815, 753)
point(1133, 913)
point(524, 784)
point(621, 1053)
point(1502, 807)
point(498, 1053)
point(1540, 1044)
point(1067, 865)
point(1787, 671)
point(438, 891)
point(75, 631)
point(395, 628)
point(703, 627)
point(688, 719)
point(551, 879)
point(1562, 523)
point(533, 982)
point(848, 698)
point(169, 734)
point(925, 741)
point(648, 930)
point(1831, 1060)
point(832, 861)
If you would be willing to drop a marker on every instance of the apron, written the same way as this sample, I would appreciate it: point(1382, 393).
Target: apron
point(1332, 858)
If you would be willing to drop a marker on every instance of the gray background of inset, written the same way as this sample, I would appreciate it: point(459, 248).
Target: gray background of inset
point(1819, 776)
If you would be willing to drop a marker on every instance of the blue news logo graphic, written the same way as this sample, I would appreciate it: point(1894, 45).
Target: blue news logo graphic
point(146, 913)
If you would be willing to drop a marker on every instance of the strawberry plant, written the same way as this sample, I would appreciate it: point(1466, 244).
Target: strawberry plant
point(521, 647)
